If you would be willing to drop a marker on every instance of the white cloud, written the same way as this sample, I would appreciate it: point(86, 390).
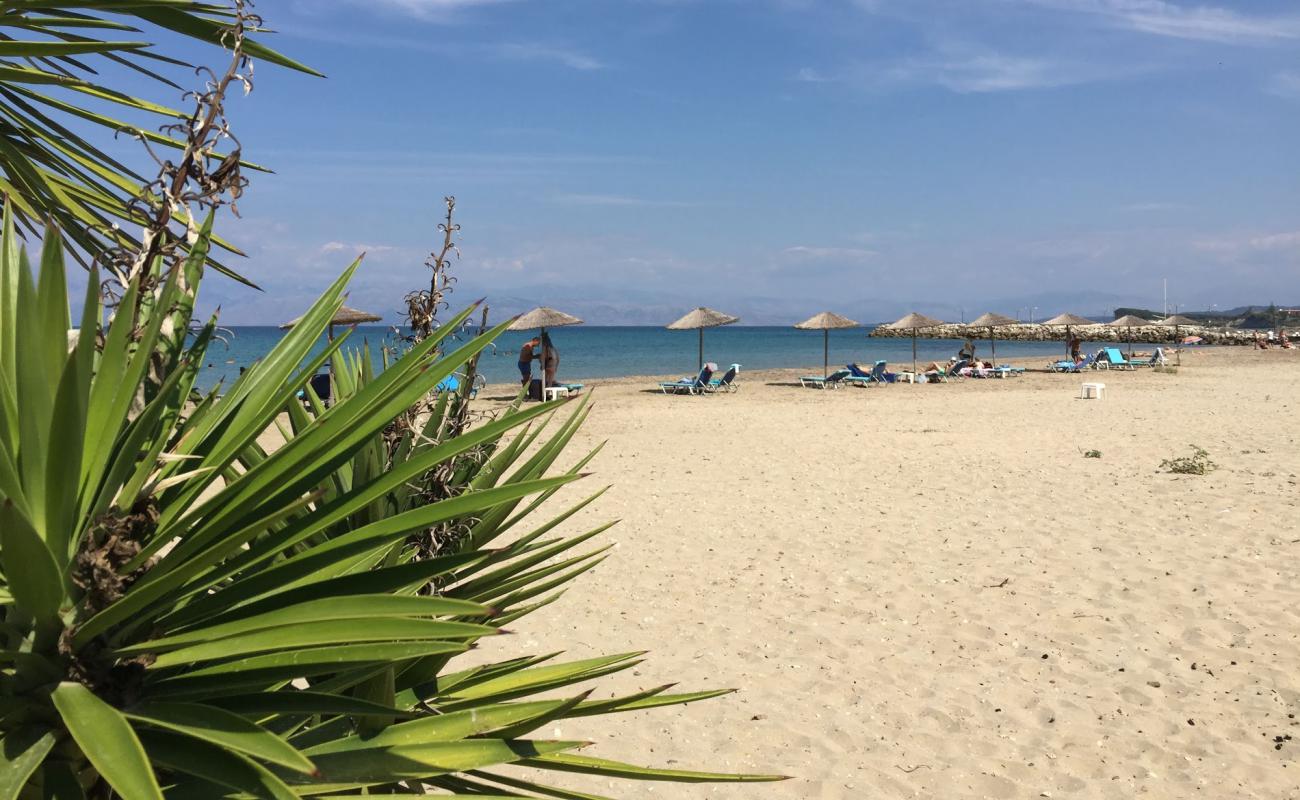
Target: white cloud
point(1199, 23)
point(613, 200)
point(1070, 249)
point(1285, 84)
point(500, 264)
point(436, 9)
point(810, 75)
point(498, 51)
point(533, 51)
point(1277, 241)
point(979, 72)
point(809, 253)
point(1143, 208)
point(998, 73)
point(355, 249)
point(1241, 245)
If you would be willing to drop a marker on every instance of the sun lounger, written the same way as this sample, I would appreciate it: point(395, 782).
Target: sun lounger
point(697, 385)
point(858, 377)
point(727, 383)
point(1156, 359)
point(1070, 366)
point(1114, 359)
point(832, 381)
point(451, 383)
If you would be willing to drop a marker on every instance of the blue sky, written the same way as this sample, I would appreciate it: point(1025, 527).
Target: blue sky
point(629, 159)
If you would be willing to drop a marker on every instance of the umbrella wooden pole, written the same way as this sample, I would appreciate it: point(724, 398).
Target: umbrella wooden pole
point(993, 344)
point(826, 352)
point(914, 376)
point(542, 336)
point(701, 364)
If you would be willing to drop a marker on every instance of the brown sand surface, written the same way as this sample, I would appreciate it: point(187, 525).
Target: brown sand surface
point(929, 591)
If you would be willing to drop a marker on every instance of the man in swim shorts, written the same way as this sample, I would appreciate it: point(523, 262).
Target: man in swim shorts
point(527, 354)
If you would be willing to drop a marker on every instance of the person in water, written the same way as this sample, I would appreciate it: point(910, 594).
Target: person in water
point(527, 354)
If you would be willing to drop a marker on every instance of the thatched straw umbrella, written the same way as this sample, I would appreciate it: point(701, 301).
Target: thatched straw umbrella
point(702, 318)
point(543, 318)
point(914, 322)
point(344, 316)
point(1130, 321)
point(1068, 321)
point(824, 322)
point(991, 321)
point(1177, 320)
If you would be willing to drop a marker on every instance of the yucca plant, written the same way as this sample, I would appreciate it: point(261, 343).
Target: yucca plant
point(188, 612)
point(62, 70)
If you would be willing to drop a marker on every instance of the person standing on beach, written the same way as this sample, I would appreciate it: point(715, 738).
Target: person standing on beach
point(967, 351)
point(550, 359)
point(1076, 349)
point(527, 354)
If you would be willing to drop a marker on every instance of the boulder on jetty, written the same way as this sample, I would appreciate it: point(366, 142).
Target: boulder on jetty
point(1026, 332)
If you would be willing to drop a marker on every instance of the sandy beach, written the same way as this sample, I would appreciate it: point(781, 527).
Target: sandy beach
point(929, 591)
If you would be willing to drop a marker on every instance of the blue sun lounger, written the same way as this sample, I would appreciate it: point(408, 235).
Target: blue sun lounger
point(697, 385)
point(727, 383)
point(832, 381)
point(1070, 366)
point(877, 376)
point(1156, 359)
point(1114, 359)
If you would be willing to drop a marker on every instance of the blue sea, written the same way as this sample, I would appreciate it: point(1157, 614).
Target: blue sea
point(590, 352)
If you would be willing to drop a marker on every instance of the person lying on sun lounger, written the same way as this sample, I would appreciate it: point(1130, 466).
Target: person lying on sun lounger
point(933, 373)
point(977, 369)
point(879, 373)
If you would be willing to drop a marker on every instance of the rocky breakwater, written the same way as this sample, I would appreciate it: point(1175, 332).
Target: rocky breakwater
point(1152, 334)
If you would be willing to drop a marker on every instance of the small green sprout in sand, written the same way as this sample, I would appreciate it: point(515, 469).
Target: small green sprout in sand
point(1198, 463)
